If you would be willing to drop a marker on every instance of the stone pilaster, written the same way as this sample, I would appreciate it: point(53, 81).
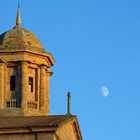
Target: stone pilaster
point(24, 83)
point(2, 84)
point(43, 89)
point(48, 92)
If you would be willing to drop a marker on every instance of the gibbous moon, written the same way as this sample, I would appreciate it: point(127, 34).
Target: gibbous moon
point(105, 91)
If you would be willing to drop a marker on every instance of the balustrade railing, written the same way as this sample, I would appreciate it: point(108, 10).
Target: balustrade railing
point(11, 103)
point(31, 104)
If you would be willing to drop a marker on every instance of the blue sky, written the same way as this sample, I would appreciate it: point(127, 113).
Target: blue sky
point(95, 43)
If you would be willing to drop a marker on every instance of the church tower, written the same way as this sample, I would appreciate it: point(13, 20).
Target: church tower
point(24, 91)
point(24, 73)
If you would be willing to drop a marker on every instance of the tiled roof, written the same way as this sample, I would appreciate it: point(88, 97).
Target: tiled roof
point(34, 121)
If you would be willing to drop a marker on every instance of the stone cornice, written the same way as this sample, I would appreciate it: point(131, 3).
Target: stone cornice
point(31, 51)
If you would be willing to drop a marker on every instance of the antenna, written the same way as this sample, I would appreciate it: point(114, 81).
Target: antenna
point(18, 3)
point(69, 97)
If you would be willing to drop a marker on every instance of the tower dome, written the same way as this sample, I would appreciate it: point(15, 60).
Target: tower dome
point(19, 37)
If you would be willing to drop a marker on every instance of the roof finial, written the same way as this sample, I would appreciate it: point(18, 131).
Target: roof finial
point(18, 20)
point(69, 97)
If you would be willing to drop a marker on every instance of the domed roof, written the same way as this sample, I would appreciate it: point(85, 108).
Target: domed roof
point(18, 36)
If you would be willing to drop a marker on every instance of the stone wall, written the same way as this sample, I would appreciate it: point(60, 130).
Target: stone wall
point(28, 136)
point(24, 65)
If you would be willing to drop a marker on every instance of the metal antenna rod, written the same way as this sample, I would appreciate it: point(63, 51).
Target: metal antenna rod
point(69, 97)
point(18, 3)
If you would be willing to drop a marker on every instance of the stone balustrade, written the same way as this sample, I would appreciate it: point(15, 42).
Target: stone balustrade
point(31, 104)
point(11, 103)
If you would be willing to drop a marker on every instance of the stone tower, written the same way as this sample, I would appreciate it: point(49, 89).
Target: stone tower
point(24, 91)
point(24, 73)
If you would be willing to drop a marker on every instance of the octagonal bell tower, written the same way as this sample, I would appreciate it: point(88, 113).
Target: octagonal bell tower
point(24, 73)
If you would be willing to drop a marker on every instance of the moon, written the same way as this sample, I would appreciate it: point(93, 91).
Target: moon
point(105, 91)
